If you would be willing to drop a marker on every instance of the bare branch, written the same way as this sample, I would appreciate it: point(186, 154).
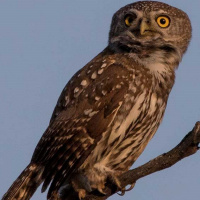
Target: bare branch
point(188, 146)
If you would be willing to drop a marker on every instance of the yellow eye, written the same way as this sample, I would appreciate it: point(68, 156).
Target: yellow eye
point(129, 19)
point(163, 21)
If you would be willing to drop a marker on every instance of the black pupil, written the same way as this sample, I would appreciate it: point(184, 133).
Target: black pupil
point(162, 21)
point(130, 19)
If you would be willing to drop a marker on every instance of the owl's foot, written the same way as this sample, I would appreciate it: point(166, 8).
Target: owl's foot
point(83, 184)
point(123, 190)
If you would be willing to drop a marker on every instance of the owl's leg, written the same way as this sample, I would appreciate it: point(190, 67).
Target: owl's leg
point(101, 187)
point(114, 179)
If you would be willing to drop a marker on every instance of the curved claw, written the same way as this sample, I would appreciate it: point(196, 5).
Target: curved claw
point(123, 190)
point(100, 188)
point(81, 194)
point(130, 188)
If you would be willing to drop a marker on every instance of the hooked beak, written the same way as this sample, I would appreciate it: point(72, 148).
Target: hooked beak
point(145, 28)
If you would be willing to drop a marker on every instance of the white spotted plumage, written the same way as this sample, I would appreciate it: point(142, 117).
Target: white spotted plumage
point(112, 107)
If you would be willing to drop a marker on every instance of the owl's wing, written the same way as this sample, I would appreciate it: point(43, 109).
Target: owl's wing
point(87, 106)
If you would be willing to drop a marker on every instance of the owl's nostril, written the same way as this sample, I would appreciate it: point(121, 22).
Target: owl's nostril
point(147, 21)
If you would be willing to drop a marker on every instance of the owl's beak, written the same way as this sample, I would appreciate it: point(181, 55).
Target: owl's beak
point(145, 28)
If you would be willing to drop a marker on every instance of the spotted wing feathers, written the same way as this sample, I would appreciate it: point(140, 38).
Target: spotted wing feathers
point(87, 106)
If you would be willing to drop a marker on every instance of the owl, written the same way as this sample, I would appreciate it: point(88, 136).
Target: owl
point(112, 107)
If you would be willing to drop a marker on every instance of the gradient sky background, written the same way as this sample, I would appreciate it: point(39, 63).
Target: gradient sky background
point(42, 44)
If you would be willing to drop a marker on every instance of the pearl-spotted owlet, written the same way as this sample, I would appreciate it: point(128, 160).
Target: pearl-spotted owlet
point(111, 108)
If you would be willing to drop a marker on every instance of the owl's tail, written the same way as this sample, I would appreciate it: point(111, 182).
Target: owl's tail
point(26, 184)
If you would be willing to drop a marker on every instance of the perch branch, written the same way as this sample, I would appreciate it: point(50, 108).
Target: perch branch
point(188, 146)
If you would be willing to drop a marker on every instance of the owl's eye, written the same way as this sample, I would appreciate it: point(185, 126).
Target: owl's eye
point(163, 21)
point(129, 19)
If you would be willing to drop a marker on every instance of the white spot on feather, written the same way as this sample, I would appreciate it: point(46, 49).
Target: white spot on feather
point(94, 75)
point(118, 86)
point(87, 111)
point(66, 100)
point(84, 83)
point(88, 71)
point(92, 113)
point(104, 65)
point(76, 90)
point(100, 71)
point(32, 167)
point(104, 92)
point(97, 98)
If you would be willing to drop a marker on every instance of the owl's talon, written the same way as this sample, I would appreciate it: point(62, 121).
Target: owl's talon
point(101, 191)
point(130, 188)
point(122, 192)
point(100, 188)
point(81, 193)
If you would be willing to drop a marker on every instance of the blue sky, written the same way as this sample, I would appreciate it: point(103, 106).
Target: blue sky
point(42, 44)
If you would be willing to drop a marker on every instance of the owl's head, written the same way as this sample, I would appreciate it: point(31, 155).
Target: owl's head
point(145, 26)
